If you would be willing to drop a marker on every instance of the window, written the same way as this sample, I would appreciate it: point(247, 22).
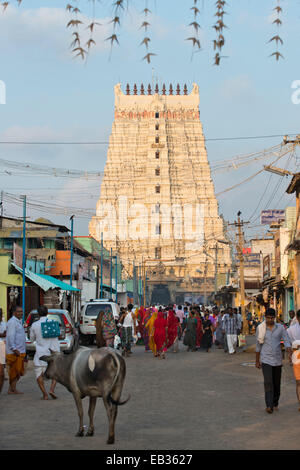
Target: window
point(157, 189)
point(157, 171)
point(157, 208)
point(157, 253)
point(157, 154)
point(156, 115)
point(157, 139)
point(158, 229)
point(157, 127)
point(93, 310)
point(9, 243)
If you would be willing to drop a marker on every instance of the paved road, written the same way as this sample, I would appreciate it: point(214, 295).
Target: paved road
point(188, 401)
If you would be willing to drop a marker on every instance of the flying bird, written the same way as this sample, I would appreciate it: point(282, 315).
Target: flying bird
point(146, 11)
point(145, 25)
point(277, 55)
point(90, 42)
point(81, 52)
point(115, 21)
point(92, 25)
point(74, 23)
point(195, 25)
point(196, 10)
point(277, 39)
point(113, 38)
point(218, 58)
point(146, 42)
point(148, 57)
point(195, 42)
point(119, 4)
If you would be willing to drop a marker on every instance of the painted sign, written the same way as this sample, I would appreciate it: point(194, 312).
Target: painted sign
point(251, 260)
point(270, 217)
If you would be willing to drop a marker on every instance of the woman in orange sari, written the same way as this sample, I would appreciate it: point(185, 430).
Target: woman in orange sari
point(145, 334)
point(150, 328)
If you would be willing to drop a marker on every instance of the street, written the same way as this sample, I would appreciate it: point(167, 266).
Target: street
point(188, 401)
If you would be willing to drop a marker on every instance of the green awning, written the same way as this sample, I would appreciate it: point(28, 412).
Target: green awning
point(46, 282)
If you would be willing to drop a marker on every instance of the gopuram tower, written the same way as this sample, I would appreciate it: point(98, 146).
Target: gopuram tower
point(157, 205)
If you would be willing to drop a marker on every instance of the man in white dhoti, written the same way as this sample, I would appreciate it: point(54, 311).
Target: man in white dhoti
point(231, 328)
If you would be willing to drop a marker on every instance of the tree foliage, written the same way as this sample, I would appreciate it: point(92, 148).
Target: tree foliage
point(81, 48)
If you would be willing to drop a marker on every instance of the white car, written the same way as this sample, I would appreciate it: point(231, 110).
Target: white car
point(88, 317)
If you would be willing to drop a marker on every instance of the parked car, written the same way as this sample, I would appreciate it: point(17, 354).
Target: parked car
point(88, 317)
point(67, 338)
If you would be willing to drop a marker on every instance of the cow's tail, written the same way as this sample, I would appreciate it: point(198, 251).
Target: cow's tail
point(109, 397)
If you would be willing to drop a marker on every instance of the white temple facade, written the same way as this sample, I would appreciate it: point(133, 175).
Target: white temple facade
point(157, 204)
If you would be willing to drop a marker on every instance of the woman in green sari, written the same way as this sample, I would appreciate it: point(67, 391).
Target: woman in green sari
point(190, 337)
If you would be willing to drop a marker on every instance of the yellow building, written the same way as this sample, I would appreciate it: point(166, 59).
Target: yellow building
point(10, 285)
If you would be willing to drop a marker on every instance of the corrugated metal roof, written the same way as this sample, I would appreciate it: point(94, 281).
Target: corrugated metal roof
point(46, 282)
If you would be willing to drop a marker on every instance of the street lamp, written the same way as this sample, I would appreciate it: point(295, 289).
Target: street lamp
point(278, 171)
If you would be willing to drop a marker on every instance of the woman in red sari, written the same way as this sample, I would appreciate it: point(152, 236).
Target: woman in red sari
point(160, 334)
point(140, 318)
point(172, 322)
point(199, 330)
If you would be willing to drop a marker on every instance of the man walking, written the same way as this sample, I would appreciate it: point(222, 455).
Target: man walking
point(250, 322)
point(231, 328)
point(294, 329)
point(15, 349)
point(44, 347)
point(269, 356)
point(180, 314)
point(2, 348)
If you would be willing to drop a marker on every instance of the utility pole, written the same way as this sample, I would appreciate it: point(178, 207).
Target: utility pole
point(240, 245)
point(116, 278)
point(216, 269)
point(139, 284)
point(144, 282)
point(1, 208)
point(24, 258)
point(101, 274)
point(71, 254)
point(111, 273)
point(205, 281)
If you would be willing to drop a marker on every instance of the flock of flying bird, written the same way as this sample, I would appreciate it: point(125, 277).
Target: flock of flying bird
point(219, 26)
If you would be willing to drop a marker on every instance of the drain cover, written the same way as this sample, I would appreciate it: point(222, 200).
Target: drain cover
point(248, 364)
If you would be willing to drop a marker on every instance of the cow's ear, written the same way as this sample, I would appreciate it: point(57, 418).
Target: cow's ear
point(46, 358)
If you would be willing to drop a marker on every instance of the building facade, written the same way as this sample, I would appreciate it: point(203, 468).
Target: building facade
point(157, 207)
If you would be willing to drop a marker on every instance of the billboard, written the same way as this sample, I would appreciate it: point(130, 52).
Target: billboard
point(250, 261)
point(270, 217)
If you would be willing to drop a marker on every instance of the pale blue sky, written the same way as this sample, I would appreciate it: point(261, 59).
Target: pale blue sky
point(51, 96)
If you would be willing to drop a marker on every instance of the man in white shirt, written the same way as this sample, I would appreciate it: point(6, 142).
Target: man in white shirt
point(129, 325)
point(2, 348)
point(294, 329)
point(43, 346)
point(15, 349)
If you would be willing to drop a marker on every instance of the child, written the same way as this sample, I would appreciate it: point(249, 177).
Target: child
point(296, 366)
